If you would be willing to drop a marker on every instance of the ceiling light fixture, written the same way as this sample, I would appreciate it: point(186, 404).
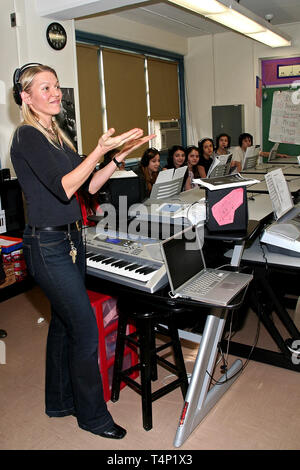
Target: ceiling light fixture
point(233, 15)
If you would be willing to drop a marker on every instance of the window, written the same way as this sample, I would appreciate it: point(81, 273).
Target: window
point(135, 87)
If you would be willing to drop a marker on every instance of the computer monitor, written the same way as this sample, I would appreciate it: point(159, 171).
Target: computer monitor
point(11, 201)
point(123, 189)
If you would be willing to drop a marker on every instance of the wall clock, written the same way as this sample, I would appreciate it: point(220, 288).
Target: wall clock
point(56, 36)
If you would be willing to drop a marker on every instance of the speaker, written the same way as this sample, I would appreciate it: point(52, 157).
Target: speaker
point(17, 87)
point(227, 209)
point(12, 204)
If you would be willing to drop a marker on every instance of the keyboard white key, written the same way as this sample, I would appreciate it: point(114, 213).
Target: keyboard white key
point(128, 269)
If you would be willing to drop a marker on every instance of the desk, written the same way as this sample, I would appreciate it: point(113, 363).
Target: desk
point(239, 238)
point(266, 295)
point(284, 161)
point(288, 170)
point(292, 181)
point(199, 399)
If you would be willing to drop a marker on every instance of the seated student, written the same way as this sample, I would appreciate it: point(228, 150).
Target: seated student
point(192, 155)
point(176, 159)
point(148, 170)
point(206, 150)
point(222, 144)
point(238, 154)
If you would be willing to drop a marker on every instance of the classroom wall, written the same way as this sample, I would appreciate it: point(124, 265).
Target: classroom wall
point(27, 43)
point(120, 28)
point(219, 69)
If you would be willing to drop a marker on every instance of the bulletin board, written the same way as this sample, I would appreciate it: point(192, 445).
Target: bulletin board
point(269, 124)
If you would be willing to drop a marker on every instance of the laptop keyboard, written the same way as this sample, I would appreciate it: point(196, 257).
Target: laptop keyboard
point(203, 284)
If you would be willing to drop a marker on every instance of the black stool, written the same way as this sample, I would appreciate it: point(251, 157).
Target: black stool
point(148, 324)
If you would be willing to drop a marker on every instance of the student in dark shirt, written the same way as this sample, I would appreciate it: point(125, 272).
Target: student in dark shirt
point(206, 149)
point(50, 172)
point(176, 159)
point(192, 155)
point(222, 144)
point(148, 171)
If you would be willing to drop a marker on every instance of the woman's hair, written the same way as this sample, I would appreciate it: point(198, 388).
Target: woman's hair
point(188, 150)
point(29, 116)
point(144, 163)
point(148, 155)
point(219, 137)
point(243, 136)
point(171, 151)
point(201, 144)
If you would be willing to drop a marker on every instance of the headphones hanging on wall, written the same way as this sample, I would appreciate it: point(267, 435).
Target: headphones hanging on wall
point(17, 87)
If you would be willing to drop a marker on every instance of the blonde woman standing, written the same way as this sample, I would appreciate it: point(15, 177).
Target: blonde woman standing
point(50, 172)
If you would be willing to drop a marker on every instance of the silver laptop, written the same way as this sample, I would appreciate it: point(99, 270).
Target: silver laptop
point(188, 276)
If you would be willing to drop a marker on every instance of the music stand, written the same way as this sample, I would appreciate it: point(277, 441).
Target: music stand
point(220, 166)
point(168, 184)
point(251, 158)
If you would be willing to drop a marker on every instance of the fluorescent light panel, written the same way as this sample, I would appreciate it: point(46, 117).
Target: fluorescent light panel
point(245, 22)
point(204, 7)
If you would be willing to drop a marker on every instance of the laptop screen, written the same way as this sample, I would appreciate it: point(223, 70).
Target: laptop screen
point(183, 257)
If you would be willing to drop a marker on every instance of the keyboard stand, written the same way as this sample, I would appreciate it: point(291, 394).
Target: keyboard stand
point(200, 399)
point(267, 305)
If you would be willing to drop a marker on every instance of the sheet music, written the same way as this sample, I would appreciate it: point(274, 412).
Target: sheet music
point(179, 172)
point(166, 175)
point(123, 174)
point(279, 192)
point(285, 118)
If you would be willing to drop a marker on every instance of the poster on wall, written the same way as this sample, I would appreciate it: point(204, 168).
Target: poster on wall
point(66, 118)
point(258, 91)
point(285, 118)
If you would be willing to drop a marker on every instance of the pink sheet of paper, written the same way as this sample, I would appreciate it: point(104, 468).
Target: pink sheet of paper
point(224, 210)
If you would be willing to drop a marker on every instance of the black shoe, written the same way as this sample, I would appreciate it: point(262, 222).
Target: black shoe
point(293, 345)
point(116, 432)
point(3, 334)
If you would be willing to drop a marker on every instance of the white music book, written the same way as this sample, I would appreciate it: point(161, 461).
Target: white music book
point(279, 192)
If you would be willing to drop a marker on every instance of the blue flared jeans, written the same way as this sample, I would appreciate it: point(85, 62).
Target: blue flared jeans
point(73, 380)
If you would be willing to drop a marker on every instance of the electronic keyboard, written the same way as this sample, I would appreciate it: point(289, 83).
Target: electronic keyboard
point(133, 263)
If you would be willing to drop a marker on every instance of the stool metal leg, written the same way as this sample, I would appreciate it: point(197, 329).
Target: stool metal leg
point(153, 355)
point(119, 354)
point(178, 358)
point(145, 329)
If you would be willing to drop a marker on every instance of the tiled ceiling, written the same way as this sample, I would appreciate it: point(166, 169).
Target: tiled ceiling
point(173, 19)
